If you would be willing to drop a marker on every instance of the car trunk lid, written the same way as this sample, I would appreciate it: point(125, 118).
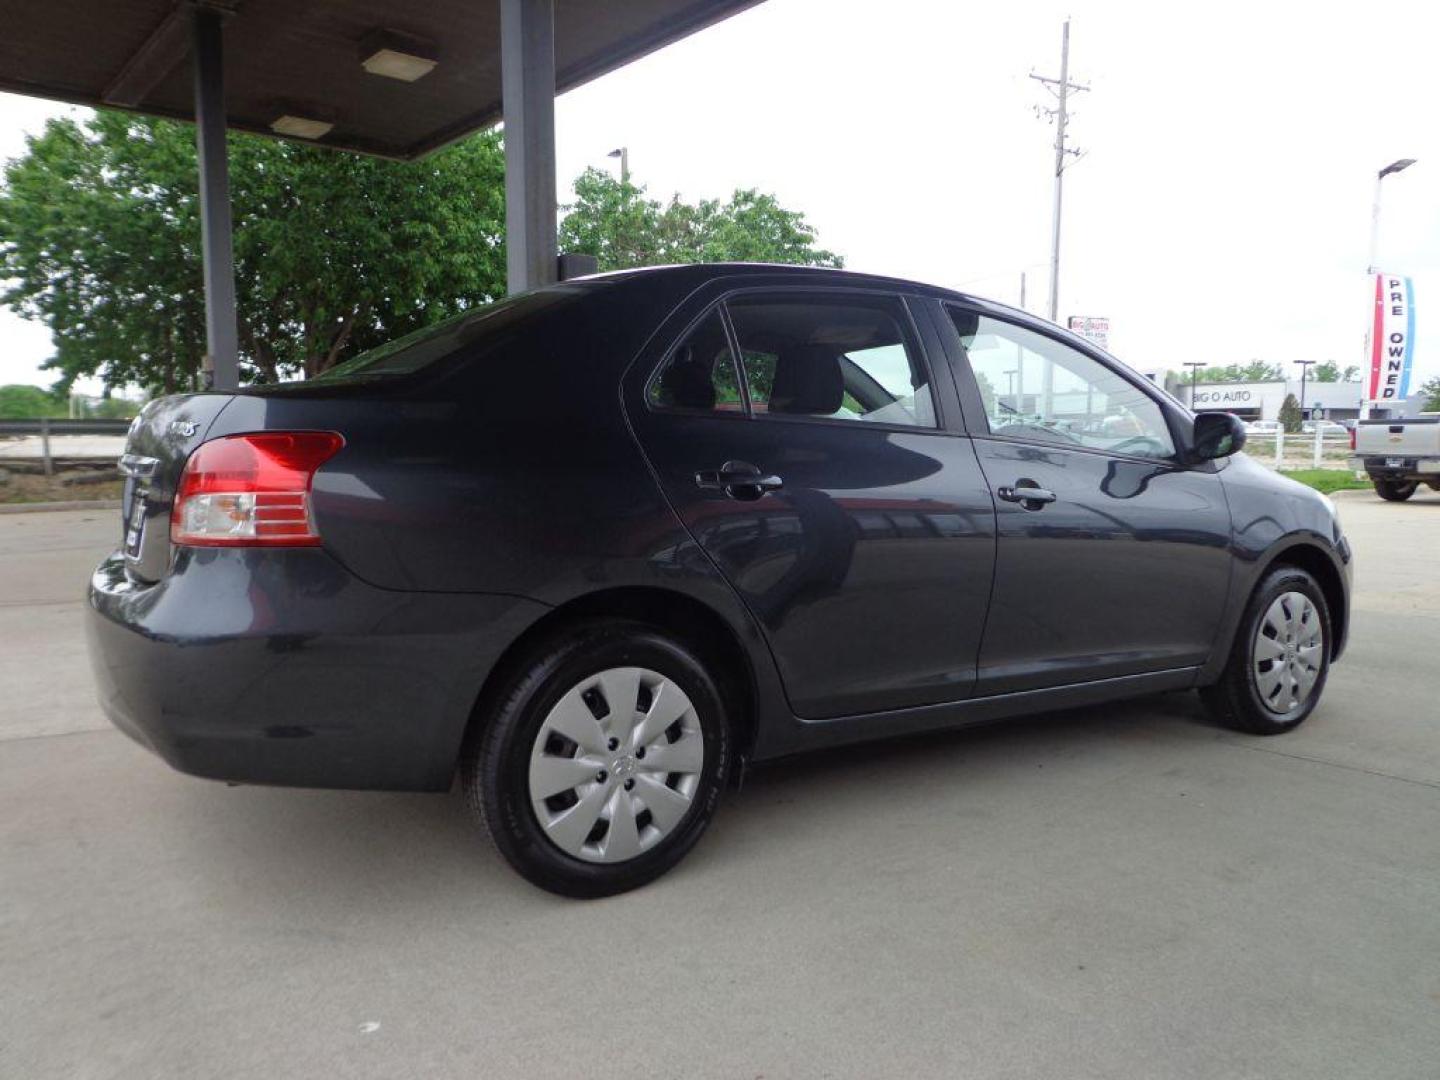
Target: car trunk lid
point(1408, 438)
point(160, 441)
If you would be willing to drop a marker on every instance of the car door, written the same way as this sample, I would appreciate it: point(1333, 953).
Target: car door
point(803, 440)
point(1113, 556)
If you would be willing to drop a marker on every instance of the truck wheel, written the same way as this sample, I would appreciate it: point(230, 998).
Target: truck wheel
point(603, 762)
point(1276, 670)
point(1395, 490)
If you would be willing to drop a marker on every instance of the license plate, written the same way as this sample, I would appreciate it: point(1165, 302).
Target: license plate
point(1394, 462)
point(135, 529)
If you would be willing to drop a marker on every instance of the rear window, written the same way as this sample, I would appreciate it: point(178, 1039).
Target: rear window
point(419, 350)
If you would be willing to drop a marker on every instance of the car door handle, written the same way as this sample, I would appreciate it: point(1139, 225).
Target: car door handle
point(739, 480)
point(1026, 493)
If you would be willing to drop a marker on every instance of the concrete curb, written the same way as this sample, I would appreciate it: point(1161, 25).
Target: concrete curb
point(74, 504)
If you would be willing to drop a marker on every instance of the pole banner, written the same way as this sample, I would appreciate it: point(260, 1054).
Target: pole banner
point(1392, 338)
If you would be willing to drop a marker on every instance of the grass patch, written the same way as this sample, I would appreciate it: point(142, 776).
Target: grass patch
point(1327, 480)
point(18, 487)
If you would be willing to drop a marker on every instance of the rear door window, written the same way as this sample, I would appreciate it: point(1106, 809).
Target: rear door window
point(834, 357)
point(699, 374)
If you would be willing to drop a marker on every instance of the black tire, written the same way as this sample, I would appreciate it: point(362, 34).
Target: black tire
point(494, 770)
point(1395, 490)
point(1235, 700)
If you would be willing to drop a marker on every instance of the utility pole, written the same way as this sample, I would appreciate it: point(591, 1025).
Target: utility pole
point(1061, 88)
point(1194, 366)
point(1022, 290)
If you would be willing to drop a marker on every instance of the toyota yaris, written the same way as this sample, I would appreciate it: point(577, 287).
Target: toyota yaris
point(595, 547)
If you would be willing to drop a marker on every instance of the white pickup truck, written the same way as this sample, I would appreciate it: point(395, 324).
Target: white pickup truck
point(1398, 455)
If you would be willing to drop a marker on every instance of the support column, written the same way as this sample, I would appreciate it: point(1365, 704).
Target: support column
point(527, 61)
point(218, 252)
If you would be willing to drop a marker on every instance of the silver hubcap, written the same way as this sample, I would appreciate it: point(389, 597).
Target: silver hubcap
point(1289, 651)
point(616, 764)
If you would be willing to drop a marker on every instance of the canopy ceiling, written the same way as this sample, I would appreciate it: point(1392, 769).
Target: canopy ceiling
point(298, 56)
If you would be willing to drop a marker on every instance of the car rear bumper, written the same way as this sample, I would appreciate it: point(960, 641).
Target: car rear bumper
point(281, 667)
point(1398, 467)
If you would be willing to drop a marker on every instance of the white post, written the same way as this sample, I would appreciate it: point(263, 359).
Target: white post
point(1319, 437)
point(47, 462)
point(1279, 445)
point(1375, 225)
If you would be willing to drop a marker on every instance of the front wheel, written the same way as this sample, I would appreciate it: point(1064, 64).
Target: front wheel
point(1278, 663)
point(603, 763)
point(1395, 490)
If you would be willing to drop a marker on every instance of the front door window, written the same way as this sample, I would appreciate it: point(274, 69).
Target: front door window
point(1034, 387)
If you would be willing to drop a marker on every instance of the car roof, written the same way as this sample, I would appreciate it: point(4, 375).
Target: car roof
point(686, 277)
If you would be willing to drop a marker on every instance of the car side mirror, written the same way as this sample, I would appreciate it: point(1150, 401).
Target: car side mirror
point(1217, 435)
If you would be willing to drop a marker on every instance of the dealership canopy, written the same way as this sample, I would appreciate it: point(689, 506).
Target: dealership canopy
point(397, 78)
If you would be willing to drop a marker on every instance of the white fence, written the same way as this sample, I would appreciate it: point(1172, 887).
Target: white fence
point(1301, 450)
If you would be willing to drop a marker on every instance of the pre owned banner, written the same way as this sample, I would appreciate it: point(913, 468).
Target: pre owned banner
point(1392, 338)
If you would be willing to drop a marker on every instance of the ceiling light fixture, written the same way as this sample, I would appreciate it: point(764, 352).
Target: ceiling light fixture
point(397, 55)
point(302, 121)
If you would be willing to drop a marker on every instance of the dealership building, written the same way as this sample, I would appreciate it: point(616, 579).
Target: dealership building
point(1262, 400)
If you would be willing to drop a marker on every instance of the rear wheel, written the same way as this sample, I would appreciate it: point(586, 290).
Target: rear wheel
point(1395, 490)
point(1278, 663)
point(603, 763)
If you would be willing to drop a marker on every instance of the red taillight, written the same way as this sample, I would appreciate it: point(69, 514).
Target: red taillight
point(1352, 438)
point(251, 490)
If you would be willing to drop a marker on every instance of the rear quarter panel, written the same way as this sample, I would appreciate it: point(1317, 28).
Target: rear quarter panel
point(515, 475)
point(507, 475)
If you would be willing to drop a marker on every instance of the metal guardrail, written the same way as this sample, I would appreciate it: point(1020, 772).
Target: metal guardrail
point(64, 427)
point(46, 428)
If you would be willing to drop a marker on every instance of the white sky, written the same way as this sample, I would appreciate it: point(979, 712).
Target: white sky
point(1221, 212)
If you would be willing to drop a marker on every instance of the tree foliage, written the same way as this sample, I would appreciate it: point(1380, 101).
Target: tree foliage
point(100, 234)
point(1260, 371)
point(1329, 371)
point(334, 253)
point(1290, 416)
point(20, 402)
point(1254, 371)
point(1431, 390)
point(622, 227)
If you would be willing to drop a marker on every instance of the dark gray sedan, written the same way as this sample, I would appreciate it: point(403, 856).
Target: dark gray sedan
point(595, 547)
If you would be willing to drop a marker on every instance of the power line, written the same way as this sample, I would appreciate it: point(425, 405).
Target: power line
point(1061, 88)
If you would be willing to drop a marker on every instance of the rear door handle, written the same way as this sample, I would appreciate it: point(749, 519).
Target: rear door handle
point(1027, 493)
point(739, 480)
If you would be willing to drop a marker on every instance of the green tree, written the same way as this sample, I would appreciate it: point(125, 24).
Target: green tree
point(1254, 371)
point(622, 227)
point(107, 408)
point(1329, 371)
point(987, 393)
point(613, 221)
point(100, 236)
point(1290, 415)
point(20, 402)
point(1431, 390)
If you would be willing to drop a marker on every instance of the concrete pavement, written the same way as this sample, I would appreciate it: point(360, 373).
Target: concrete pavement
point(1118, 892)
